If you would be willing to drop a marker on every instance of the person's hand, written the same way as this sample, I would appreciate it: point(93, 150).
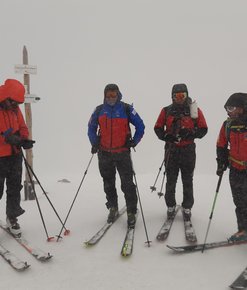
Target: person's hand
point(221, 166)
point(170, 138)
point(27, 144)
point(186, 134)
point(130, 144)
point(13, 139)
point(95, 149)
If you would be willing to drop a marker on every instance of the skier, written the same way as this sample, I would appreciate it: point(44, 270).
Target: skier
point(233, 135)
point(112, 143)
point(178, 125)
point(14, 134)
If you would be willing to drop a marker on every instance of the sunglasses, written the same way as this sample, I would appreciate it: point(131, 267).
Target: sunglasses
point(180, 96)
point(230, 109)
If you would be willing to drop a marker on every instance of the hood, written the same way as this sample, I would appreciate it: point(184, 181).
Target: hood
point(113, 87)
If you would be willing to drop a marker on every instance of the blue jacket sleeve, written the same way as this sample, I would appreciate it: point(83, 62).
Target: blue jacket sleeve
point(137, 122)
point(92, 128)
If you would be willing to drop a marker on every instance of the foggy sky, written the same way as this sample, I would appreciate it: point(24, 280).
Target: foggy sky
point(144, 46)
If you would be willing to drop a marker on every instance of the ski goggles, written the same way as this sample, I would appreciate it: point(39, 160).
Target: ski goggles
point(179, 96)
point(230, 109)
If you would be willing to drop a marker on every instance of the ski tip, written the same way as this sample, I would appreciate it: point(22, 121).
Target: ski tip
point(23, 268)
point(125, 255)
point(87, 244)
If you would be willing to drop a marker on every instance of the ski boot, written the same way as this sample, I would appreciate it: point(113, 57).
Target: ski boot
point(239, 236)
point(186, 214)
point(171, 211)
point(131, 220)
point(113, 214)
point(13, 226)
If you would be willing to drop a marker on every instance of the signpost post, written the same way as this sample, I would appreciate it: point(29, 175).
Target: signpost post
point(26, 70)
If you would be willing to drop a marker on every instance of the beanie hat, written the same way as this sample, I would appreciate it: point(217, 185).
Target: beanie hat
point(237, 100)
point(179, 88)
point(14, 90)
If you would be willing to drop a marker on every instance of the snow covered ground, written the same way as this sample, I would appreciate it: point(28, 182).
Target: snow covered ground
point(101, 267)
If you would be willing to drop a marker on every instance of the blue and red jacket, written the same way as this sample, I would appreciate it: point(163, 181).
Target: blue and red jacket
point(109, 127)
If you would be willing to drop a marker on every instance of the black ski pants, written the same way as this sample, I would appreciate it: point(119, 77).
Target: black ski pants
point(180, 159)
point(108, 164)
point(238, 183)
point(11, 172)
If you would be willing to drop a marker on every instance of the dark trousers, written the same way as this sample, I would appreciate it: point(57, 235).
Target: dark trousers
point(108, 164)
point(238, 183)
point(183, 159)
point(11, 172)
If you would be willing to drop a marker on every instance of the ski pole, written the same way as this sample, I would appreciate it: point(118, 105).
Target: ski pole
point(153, 188)
point(66, 232)
point(85, 173)
point(139, 199)
point(36, 198)
point(212, 211)
point(166, 161)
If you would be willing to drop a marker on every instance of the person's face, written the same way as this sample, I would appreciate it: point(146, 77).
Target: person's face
point(179, 98)
point(111, 97)
point(234, 112)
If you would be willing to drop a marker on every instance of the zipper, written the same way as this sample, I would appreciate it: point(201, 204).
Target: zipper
point(111, 129)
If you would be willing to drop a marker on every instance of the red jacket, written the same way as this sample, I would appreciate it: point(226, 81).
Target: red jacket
point(236, 138)
point(11, 119)
point(165, 122)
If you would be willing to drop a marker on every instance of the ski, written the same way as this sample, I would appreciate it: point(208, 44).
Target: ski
point(199, 247)
point(98, 236)
point(128, 243)
point(165, 229)
point(241, 281)
point(189, 231)
point(14, 261)
point(40, 255)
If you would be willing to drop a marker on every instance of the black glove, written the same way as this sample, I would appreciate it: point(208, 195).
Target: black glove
point(186, 134)
point(27, 144)
point(170, 138)
point(221, 166)
point(13, 139)
point(95, 149)
point(130, 143)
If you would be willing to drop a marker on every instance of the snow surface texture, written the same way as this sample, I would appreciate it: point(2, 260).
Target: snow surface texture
point(101, 267)
point(145, 47)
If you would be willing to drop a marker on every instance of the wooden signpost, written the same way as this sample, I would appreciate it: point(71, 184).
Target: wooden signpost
point(26, 70)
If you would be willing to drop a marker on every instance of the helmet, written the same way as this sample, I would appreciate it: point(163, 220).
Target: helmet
point(179, 88)
point(14, 90)
point(237, 100)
